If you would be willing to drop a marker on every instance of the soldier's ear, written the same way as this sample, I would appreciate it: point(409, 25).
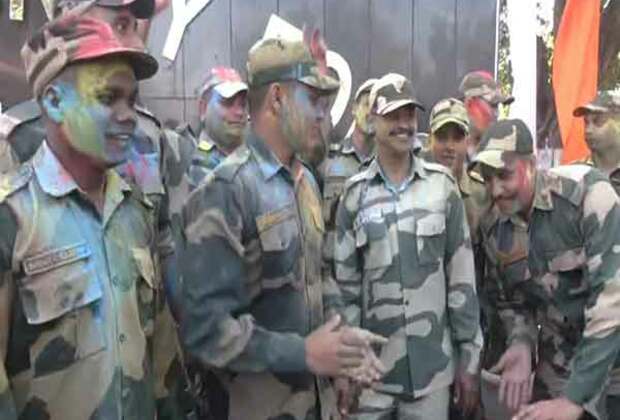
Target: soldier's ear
point(51, 103)
point(276, 93)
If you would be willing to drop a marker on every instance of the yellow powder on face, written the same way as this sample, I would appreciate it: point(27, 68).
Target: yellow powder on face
point(93, 77)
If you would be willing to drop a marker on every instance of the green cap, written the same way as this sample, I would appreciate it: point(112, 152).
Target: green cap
point(605, 101)
point(391, 92)
point(505, 136)
point(364, 88)
point(481, 83)
point(278, 60)
point(449, 110)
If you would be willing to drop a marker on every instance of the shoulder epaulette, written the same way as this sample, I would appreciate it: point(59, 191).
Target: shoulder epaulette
point(205, 146)
point(16, 115)
point(436, 167)
point(13, 181)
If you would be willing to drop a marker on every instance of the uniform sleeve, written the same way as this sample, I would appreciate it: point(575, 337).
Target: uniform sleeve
point(598, 348)
point(463, 306)
point(347, 261)
point(217, 330)
point(8, 227)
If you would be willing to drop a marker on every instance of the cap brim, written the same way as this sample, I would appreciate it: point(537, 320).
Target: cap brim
point(582, 110)
point(492, 158)
point(144, 65)
point(230, 89)
point(394, 105)
point(325, 83)
point(436, 125)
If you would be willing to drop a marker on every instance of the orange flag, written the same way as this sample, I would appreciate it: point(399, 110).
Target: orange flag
point(575, 71)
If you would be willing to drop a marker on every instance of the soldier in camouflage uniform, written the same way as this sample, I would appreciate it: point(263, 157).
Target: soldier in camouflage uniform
point(602, 119)
point(255, 304)
point(83, 313)
point(553, 246)
point(482, 97)
point(223, 117)
point(405, 268)
point(345, 160)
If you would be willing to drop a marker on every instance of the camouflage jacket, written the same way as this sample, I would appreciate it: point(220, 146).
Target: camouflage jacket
point(206, 157)
point(571, 282)
point(404, 263)
point(614, 176)
point(85, 330)
point(252, 283)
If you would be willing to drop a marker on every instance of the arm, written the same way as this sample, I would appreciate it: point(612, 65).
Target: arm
point(347, 261)
point(217, 331)
point(599, 345)
point(8, 229)
point(463, 307)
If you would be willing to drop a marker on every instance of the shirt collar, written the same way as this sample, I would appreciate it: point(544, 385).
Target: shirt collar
point(267, 161)
point(542, 192)
point(417, 170)
point(56, 181)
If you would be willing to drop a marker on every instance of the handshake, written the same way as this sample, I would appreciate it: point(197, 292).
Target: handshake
point(341, 351)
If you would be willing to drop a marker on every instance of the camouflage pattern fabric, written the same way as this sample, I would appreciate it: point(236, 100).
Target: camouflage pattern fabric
point(205, 159)
point(376, 406)
point(83, 313)
point(570, 284)
point(614, 176)
point(405, 267)
point(342, 163)
point(252, 284)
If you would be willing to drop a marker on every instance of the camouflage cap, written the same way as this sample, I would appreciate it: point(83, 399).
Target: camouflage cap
point(481, 83)
point(606, 101)
point(278, 60)
point(74, 37)
point(505, 136)
point(141, 9)
point(391, 92)
point(365, 88)
point(449, 110)
point(224, 80)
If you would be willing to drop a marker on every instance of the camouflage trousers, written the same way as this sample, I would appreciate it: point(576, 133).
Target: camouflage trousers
point(606, 406)
point(379, 406)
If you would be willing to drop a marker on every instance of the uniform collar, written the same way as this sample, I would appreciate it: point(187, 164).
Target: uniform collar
point(267, 161)
point(417, 170)
point(56, 181)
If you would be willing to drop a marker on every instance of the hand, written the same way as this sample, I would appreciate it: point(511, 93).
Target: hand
point(515, 367)
point(466, 392)
point(346, 393)
point(334, 351)
point(556, 409)
point(372, 369)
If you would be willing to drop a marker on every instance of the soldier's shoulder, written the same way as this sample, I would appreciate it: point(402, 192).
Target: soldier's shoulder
point(438, 169)
point(571, 181)
point(14, 180)
point(230, 167)
point(17, 115)
point(357, 180)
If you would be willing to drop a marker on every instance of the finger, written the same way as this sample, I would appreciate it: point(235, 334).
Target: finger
point(331, 324)
point(502, 391)
point(457, 393)
point(499, 367)
point(351, 352)
point(513, 396)
point(373, 338)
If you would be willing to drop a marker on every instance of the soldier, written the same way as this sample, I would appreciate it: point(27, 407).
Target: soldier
point(553, 240)
point(602, 119)
point(345, 160)
point(405, 268)
point(482, 97)
point(223, 117)
point(254, 300)
point(82, 303)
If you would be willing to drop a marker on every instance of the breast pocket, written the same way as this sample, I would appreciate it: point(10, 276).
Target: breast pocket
point(280, 242)
point(431, 238)
point(61, 294)
point(373, 239)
